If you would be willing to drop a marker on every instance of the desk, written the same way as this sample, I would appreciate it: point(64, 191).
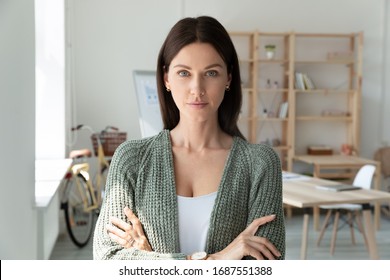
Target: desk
point(340, 166)
point(300, 192)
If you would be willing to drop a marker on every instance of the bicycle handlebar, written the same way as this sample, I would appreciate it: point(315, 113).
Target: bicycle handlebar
point(109, 127)
point(106, 129)
point(78, 127)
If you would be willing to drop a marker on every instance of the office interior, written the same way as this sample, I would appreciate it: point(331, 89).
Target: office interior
point(66, 62)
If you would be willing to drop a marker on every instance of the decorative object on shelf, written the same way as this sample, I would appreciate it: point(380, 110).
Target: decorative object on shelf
point(270, 51)
point(347, 149)
point(334, 113)
point(275, 142)
point(340, 56)
point(271, 114)
point(268, 85)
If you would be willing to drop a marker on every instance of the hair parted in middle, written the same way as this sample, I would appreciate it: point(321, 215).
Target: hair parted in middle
point(203, 29)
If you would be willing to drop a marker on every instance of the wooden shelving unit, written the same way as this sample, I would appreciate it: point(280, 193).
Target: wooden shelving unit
point(328, 114)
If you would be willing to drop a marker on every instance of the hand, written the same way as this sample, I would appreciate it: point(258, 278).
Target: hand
point(128, 235)
point(247, 244)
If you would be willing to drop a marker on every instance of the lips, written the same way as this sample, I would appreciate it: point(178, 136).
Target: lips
point(197, 104)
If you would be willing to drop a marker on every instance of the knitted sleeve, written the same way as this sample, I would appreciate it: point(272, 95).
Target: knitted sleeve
point(266, 194)
point(119, 193)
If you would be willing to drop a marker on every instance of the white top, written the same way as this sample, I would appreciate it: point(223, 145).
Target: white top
point(194, 219)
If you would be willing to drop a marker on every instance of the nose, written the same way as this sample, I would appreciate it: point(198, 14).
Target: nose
point(197, 86)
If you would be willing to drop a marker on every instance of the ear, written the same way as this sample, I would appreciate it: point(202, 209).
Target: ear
point(166, 82)
point(229, 79)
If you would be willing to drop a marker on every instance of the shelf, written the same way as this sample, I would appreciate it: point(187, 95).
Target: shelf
point(272, 119)
point(341, 62)
point(273, 61)
point(281, 148)
point(272, 90)
point(326, 91)
point(321, 118)
point(334, 60)
point(248, 60)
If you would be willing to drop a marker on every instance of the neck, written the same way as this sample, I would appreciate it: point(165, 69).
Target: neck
point(199, 136)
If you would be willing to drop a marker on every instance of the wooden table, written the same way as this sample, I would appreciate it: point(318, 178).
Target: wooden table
point(300, 191)
point(338, 167)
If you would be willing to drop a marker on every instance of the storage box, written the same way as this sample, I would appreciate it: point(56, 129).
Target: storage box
point(319, 150)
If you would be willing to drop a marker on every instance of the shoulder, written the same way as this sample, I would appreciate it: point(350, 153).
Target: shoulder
point(135, 150)
point(257, 152)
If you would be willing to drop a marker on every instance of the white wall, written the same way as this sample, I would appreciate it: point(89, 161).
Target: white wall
point(110, 39)
point(18, 236)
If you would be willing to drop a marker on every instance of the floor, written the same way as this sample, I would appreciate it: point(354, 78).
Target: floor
point(65, 250)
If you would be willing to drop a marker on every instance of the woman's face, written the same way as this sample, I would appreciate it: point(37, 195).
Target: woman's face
point(197, 78)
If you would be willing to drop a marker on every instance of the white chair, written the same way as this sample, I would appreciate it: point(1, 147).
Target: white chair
point(362, 179)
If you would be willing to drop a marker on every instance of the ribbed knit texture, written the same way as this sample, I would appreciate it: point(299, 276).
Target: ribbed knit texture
point(141, 177)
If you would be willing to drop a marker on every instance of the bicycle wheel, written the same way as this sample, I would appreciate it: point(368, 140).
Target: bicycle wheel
point(79, 222)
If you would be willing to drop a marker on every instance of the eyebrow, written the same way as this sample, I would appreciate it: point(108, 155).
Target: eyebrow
point(207, 67)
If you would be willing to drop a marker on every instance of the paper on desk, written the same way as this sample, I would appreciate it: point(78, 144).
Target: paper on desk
point(288, 176)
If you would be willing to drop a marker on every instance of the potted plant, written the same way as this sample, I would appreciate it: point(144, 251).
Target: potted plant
point(270, 51)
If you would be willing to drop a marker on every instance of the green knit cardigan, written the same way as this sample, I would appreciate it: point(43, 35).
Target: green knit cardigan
point(141, 176)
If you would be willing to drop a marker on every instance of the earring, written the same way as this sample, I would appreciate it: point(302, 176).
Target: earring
point(227, 88)
point(168, 89)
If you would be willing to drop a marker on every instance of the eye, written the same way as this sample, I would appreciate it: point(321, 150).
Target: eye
point(212, 73)
point(183, 73)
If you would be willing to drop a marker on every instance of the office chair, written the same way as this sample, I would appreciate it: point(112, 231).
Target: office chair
point(362, 179)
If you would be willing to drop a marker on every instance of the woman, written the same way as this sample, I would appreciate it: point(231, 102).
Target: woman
point(198, 185)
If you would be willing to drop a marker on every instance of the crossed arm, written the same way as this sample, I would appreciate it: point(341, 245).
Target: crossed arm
point(245, 244)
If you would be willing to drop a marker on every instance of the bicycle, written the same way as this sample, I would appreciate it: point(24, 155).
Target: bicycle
point(82, 196)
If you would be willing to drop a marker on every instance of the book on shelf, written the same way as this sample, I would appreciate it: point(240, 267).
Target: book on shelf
point(283, 110)
point(337, 188)
point(308, 81)
point(303, 81)
point(299, 84)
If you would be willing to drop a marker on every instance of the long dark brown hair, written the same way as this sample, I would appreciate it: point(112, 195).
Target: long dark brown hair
point(203, 29)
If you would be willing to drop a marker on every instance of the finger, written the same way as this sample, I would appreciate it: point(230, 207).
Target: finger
point(256, 254)
point(131, 216)
point(262, 251)
point(253, 227)
point(264, 245)
point(118, 240)
point(135, 222)
point(120, 223)
point(126, 235)
point(118, 232)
